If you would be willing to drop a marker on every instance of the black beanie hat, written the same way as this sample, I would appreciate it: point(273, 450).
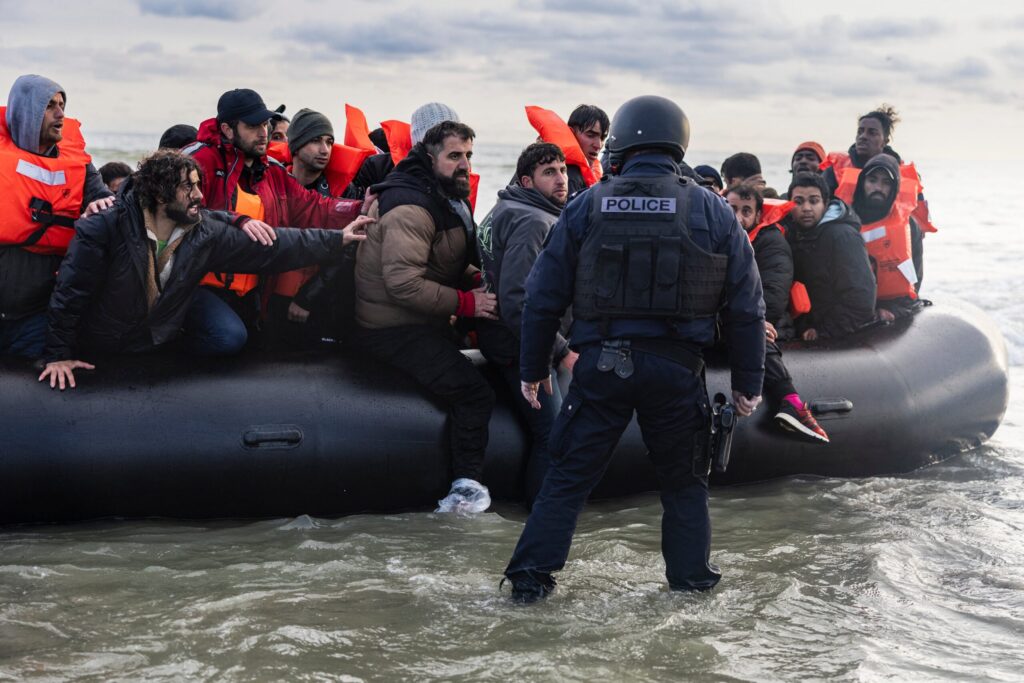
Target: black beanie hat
point(307, 125)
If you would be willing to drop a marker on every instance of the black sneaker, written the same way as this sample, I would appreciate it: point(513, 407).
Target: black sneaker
point(527, 590)
point(800, 421)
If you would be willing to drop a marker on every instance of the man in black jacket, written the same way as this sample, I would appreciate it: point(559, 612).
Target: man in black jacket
point(511, 237)
point(775, 264)
point(130, 281)
point(36, 128)
point(830, 258)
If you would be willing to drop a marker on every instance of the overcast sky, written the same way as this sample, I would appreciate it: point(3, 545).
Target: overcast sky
point(757, 77)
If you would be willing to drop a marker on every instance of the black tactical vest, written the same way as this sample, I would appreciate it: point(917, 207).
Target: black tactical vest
point(638, 259)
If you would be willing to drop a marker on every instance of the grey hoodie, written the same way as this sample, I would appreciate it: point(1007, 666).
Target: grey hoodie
point(26, 106)
point(26, 278)
point(511, 238)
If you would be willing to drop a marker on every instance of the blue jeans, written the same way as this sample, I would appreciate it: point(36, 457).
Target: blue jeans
point(24, 336)
point(211, 327)
point(671, 405)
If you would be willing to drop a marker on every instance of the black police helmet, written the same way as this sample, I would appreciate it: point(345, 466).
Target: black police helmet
point(649, 121)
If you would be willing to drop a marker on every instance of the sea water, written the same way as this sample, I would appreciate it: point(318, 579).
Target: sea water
point(916, 577)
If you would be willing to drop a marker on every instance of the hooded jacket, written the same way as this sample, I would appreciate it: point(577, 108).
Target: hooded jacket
point(418, 255)
point(285, 201)
point(832, 262)
point(26, 278)
point(511, 238)
point(101, 303)
point(869, 214)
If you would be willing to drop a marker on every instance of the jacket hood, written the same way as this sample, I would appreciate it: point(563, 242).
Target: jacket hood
point(415, 172)
point(836, 212)
point(531, 197)
point(209, 134)
point(869, 213)
point(26, 105)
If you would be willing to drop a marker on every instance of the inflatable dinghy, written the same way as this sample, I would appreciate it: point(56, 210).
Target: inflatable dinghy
point(329, 434)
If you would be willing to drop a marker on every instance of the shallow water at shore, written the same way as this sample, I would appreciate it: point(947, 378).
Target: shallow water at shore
point(919, 577)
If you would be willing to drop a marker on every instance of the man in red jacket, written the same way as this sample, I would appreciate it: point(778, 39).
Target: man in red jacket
point(237, 176)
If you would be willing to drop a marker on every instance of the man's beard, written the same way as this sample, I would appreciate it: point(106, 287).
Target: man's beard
point(179, 214)
point(249, 150)
point(456, 185)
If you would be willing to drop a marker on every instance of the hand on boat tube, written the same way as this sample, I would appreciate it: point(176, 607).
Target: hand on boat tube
point(809, 334)
point(356, 230)
point(258, 231)
point(745, 403)
point(98, 205)
point(530, 389)
point(885, 315)
point(61, 372)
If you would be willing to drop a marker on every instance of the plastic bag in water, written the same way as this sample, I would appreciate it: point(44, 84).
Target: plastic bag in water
point(467, 496)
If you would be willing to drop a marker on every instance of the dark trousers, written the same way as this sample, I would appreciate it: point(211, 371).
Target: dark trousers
point(23, 337)
point(211, 327)
point(433, 359)
point(281, 334)
point(777, 381)
point(538, 422)
point(672, 410)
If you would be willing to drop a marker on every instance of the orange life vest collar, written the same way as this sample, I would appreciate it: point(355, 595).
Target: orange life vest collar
point(772, 213)
point(553, 129)
point(42, 196)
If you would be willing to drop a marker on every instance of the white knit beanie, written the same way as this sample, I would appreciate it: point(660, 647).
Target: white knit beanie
point(428, 116)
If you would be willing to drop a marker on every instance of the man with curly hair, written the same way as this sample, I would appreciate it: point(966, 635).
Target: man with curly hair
point(130, 281)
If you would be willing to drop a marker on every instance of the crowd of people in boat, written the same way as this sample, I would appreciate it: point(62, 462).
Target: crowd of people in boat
point(257, 229)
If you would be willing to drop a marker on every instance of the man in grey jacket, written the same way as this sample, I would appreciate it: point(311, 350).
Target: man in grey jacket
point(510, 239)
point(34, 130)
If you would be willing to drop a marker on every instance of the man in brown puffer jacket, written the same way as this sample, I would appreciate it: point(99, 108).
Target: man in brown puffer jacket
point(418, 268)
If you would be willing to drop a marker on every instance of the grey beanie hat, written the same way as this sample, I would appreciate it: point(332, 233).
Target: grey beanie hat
point(428, 116)
point(307, 125)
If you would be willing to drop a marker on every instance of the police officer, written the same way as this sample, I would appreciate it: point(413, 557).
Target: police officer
point(646, 258)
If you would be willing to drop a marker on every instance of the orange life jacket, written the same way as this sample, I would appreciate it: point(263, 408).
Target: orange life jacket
point(888, 240)
point(42, 196)
point(279, 151)
point(841, 161)
point(240, 283)
point(399, 136)
point(553, 129)
point(357, 131)
point(799, 300)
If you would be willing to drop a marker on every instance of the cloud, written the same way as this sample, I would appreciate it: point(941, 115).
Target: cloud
point(207, 9)
point(150, 47)
point(897, 30)
point(389, 39)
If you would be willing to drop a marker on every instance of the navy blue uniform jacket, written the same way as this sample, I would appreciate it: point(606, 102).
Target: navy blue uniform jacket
point(713, 226)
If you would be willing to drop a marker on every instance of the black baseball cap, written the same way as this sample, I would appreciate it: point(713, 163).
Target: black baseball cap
point(242, 104)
